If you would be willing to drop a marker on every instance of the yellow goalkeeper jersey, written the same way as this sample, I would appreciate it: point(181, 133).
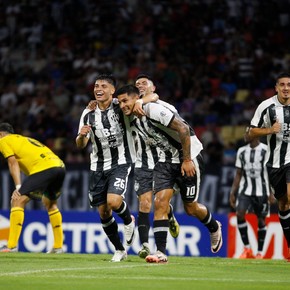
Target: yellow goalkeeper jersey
point(31, 155)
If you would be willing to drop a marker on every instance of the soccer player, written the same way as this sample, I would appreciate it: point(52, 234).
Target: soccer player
point(45, 174)
point(251, 189)
point(180, 162)
point(112, 162)
point(146, 157)
point(272, 119)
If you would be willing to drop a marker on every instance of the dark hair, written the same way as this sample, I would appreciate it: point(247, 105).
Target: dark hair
point(140, 76)
point(282, 75)
point(127, 89)
point(109, 78)
point(6, 127)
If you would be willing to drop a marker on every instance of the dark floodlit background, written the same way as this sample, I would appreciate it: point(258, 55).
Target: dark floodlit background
point(215, 60)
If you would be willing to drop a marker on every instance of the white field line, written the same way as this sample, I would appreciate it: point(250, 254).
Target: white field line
point(45, 273)
point(122, 277)
point(67, 269)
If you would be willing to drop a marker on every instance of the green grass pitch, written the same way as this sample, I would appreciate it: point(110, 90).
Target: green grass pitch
point(21, 271)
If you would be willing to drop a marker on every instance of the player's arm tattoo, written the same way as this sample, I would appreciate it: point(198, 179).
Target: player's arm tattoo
point(184, 135)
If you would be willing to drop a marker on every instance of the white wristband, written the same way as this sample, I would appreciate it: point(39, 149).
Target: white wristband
point(140, 101)
point(18, 186)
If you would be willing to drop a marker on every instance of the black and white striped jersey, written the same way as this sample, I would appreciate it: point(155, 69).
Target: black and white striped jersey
point(112, 144)
point(265, 116)
point(155, 133)
point(254, 181)
point(147, 155)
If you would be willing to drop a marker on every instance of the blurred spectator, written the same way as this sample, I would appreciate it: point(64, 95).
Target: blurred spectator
point(8, 97)
point(201, 54)
point(25, 87)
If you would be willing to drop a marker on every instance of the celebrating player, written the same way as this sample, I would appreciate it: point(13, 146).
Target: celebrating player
point(146, 157)
point(272, 119)
point(179, 162)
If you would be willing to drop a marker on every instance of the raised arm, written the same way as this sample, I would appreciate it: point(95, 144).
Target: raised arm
point(138, 110)
point(82, 139)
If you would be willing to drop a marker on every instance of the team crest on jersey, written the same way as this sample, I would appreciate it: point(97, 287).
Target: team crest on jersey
point(162, 114)
point(115, 117)
point(287, 113)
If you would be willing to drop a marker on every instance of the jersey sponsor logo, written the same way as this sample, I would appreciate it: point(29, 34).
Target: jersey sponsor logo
point(285, 128)
point(110, 137)
point(253, 170)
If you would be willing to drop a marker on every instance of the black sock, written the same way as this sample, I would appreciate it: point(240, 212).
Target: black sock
point(261, 238)
point(160, 229)
point(284, 217)
point(111, 229)
point(143, 226)
point(124, 213)
point(243, 229)
point(210, 222)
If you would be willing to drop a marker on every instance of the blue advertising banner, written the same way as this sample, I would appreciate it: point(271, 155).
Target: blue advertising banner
point(215, 187)
point(83, 233)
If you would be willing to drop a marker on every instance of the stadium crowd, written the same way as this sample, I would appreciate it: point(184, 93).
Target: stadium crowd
point(215, 60)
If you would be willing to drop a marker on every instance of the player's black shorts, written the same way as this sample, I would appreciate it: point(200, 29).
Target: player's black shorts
point(143, 180)
point(119, 180)
point(257, 204)
point(47, 182)
point(279, 177)
point(166, 174)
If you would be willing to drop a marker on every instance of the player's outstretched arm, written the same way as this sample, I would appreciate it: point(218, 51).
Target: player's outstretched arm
point(138, 109)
